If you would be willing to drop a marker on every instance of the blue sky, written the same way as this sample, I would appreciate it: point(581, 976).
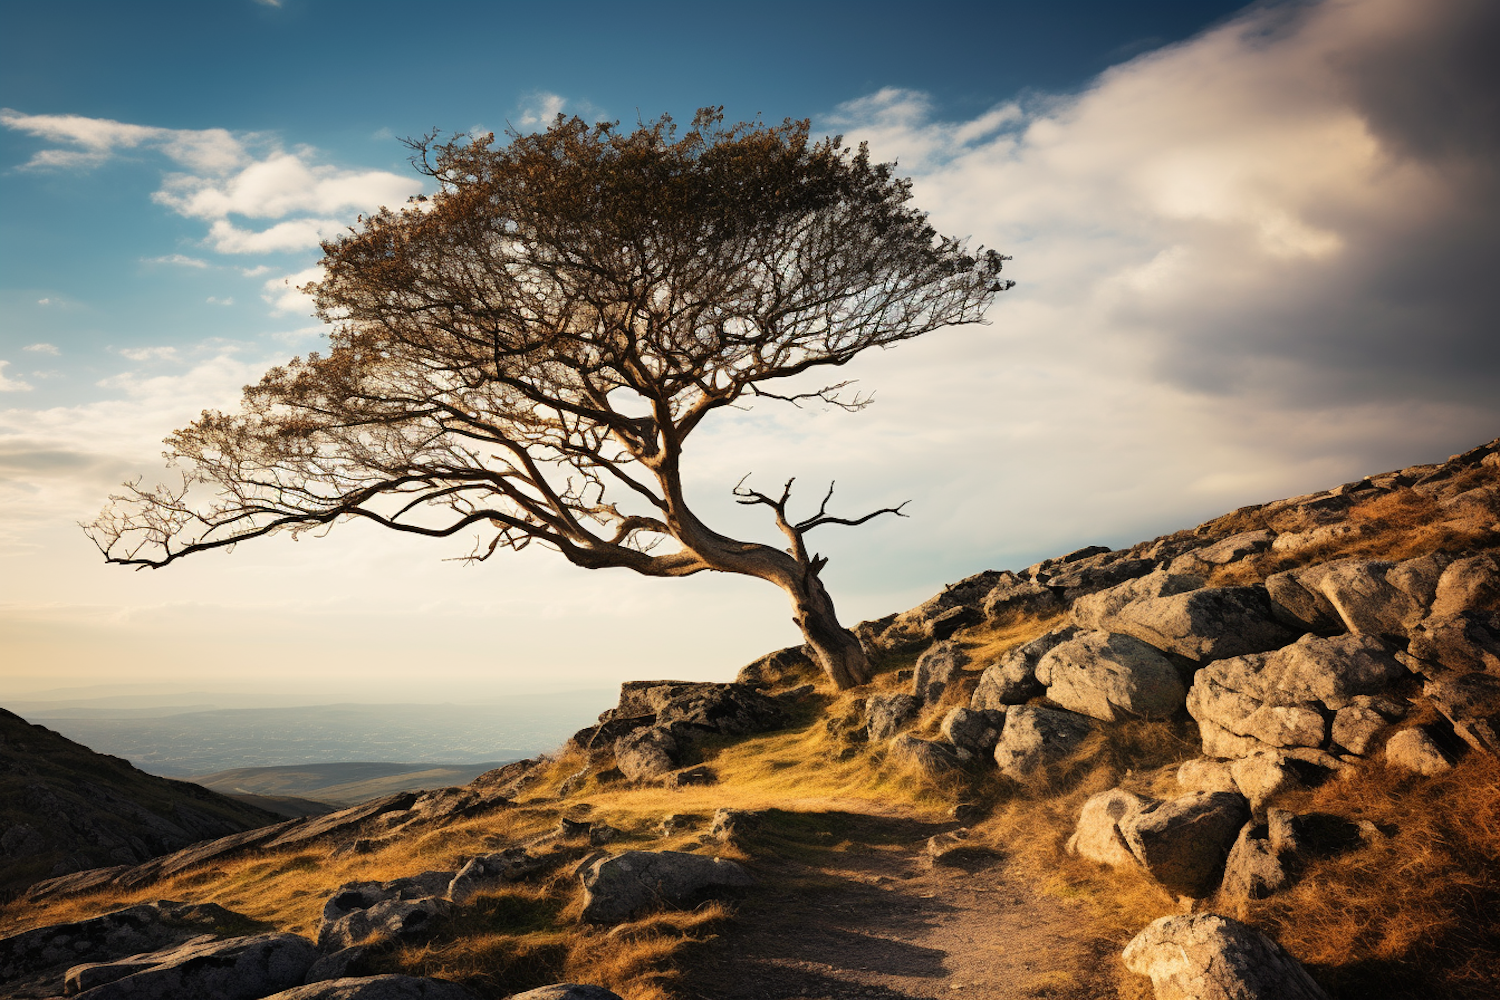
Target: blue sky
point(1252, 248)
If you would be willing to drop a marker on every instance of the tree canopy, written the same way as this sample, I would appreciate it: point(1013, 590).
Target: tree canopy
point(523, 354)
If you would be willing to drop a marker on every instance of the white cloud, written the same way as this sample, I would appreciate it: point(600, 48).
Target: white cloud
point(284, 237)
point(148, 354)
point(11, 384)
point(283, 292)
point(44, 302)
point(180, 260)
point(215, 300)
point(538, 109)
point(42, 348)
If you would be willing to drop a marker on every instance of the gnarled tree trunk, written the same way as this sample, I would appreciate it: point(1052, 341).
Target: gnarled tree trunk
point(835, 648)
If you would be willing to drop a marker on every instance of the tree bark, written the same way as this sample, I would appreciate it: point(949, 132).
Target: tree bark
point(835, 648)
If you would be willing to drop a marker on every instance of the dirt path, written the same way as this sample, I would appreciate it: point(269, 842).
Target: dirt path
point(873, 917)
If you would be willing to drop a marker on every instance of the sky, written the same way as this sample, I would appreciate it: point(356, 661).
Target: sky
point(1252, 248)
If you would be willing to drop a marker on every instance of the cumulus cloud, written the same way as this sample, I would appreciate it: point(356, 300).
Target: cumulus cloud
point(224, 175)
point(283, 293)
point(11, 384)
point(149, 353)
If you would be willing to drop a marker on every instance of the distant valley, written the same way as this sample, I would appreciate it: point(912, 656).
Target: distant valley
point(179, 743)
point(338, 784)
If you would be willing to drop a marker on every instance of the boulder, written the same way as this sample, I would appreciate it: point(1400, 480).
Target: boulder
point(728, 824)
point(973, 732)
point(1298, 602)
point(1357, 725)
point(700, 774)
point(1095, 573)
point(946, 623)
point(936, 669)
point(647, 753)
point(1472, 703)
point(1253, 869)
point(1013, 599)
point(1092, 610)
point(719, 709)
point(1097, 836)
point(933, 759)
point(619, 887)
point(1011, 679)
point(389, 918)
point(1283, 831)
point(490, 871)
point(919, 627)
point(1210, 623)
point(1459, 643)
point(1035, 737)
point(1414, 749)
point(568, 991)
point(1206, 774)
point(1204, 956)
point(1262, 776)
point(1366, 601)
point(389, 987)
point(242, 968)
point(1234, 548)
point(345, 963)
point(1469, 584)
point(1278, 699)
point(888, 714)
point(795, 663)
point(141, 928)
point(1183, 842)
point(1109, 676)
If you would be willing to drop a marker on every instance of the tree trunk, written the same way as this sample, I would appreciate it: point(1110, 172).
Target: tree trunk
point(834, 647)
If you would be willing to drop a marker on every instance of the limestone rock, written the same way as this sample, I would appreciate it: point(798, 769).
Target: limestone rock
point(1011, 679)
point(1097, 836)
point(1228, 550)
point(1366, 601)
point(144, 927)
point(888, 714)
point(1183, 842)
point(489, 871)
point(1297, 600)
point(1355, 727)
point(936, 669)
point(1472, 703)
point(568, 991)
point(1205, 624)
point(1034, 738)
point(1109, 676)
point(1253, 869)
point(1206, 774)
point(933, 759)
point(389, 987)
point(1277, 699)
point(1459, 643)
point(1093, 610)
point(1470, 584)
point(1012, 599)
point(242, 968)
point(1262, 776)
point(972, 732)
point(1415, 750)
point(646, 753)
point(1208, 957)
point(619, 887)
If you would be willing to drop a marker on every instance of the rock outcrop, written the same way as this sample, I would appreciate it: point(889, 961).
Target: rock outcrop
point(1209, 957)
point(619, 887)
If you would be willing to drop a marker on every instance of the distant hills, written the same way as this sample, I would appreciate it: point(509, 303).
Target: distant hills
point(338, 784)
point(65, 808)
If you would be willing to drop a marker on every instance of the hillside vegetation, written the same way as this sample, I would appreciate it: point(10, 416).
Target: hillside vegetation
point(1310, 689)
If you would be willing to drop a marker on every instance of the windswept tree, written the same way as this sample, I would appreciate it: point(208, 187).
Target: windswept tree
point(523, 355)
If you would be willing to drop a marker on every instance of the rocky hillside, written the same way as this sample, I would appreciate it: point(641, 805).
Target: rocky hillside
point(65, 808)
point(1253, 759)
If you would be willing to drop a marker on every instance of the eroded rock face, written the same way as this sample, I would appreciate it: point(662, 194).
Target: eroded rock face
point(886, 715)
point(244, 968)
point(1415, 750)
point(1097, 836)
point(936, 669)
point(383, 988)
point(1209, 957)
point(1472, 583)
point(1472, 703)
point(402, 907)
point(1210, 623)
point(1011, 680)
point(145, 927)
point(1278, 699)
point(1012, 599)
point(619, 887)
point(1465, 642)
point(1093, 610)
point(1109, 676)
point(1035, 737)
point(973, 732)
point(647, 753)
point(1183, 842)
point(1205, 774)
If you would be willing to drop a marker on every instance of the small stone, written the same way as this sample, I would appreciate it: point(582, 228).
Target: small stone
point(1415, 750)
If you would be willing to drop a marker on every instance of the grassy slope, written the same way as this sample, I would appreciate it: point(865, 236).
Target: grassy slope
point(1416, 915)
